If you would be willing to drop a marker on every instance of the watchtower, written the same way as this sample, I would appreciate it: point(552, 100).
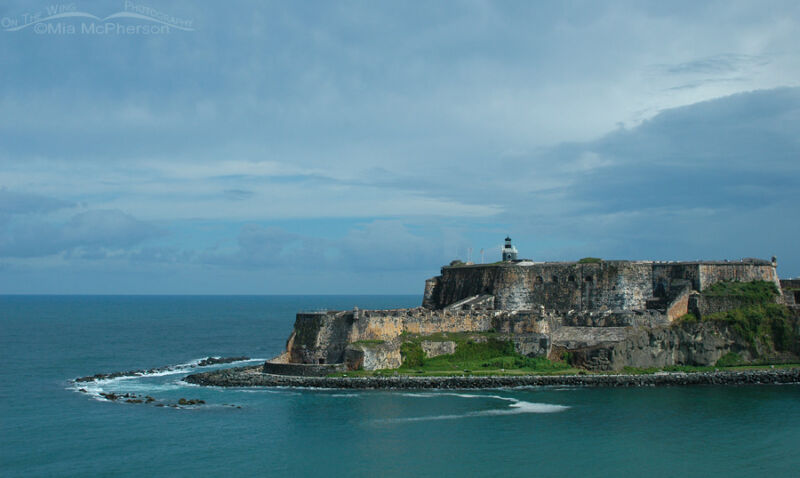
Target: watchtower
point(509, 251)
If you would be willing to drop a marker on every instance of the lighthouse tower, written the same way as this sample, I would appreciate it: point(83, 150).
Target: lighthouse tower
point(509, 251)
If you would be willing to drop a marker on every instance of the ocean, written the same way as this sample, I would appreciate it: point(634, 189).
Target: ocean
point(50, 428)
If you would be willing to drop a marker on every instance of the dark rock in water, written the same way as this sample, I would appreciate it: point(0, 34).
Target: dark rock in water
point(82, 390)
point(108, 376)
point(109, 396)
point(192, 401)
point(138, 373)
point(215, 361)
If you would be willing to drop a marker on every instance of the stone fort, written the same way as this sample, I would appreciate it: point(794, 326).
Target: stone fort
point(604, 312)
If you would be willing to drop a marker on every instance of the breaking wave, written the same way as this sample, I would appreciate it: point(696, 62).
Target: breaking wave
point(514, 407)
point(141, 381)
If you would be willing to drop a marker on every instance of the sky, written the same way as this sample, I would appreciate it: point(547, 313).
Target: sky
point(355, 147)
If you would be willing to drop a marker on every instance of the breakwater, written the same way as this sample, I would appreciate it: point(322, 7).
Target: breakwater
point(253, 377)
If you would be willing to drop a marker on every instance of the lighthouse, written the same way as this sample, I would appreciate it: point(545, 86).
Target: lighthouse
point(509, 251)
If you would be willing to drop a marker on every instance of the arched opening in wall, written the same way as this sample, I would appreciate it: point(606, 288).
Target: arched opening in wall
point(322, 361)
point(660, 291)
point(797, 297)
point(555, 278)
point(539, 279)
point(588, 279)
point(571, 279)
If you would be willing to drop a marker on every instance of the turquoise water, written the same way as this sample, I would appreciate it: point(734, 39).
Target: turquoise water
point(50, 429)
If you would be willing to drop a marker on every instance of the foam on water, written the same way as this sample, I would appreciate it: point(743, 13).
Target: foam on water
point(144, 382)
point(515, 407)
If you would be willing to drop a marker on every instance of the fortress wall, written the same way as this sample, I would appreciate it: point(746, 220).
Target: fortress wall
point(557, 286)
point(710, 274)
point(608, 285)
point(325, 336)
point(513, 289)
point(666, 272)
point(791, 291)
point(458, 283)
point(319, 338)
point(430, 296)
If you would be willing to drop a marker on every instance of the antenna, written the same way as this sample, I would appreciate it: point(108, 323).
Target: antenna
point(469, 254)
point(481, 255)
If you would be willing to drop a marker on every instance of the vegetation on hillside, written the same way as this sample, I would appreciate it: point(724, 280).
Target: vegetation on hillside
point(490, 354)
point(369, 342)
point(761, 321)
point(756, 292)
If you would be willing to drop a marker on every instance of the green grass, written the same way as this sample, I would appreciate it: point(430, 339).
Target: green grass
point(369, 342)
point(768, 324)
point(590, 260)
point(689, 318)
point(756, 292)
point(730, 359)
point(490, 356)
point(412, 354)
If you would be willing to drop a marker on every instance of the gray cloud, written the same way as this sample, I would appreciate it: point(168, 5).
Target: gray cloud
point(24, 203)
point(86, 234)
point(412, 130)
point(238, 194)
point(380, 245)
point(717, 64)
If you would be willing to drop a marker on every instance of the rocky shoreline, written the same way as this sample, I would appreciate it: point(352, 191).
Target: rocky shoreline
point(169, 368)
point(254, 377)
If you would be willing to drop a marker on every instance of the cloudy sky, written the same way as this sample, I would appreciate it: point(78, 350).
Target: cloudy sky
point(355, 147)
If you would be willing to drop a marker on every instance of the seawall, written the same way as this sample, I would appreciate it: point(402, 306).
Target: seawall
point(249, 377)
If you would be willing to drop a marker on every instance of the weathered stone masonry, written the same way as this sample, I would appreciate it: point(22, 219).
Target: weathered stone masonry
point(563, 286)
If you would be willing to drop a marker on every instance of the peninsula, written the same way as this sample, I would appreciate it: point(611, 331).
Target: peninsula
point(519, 320)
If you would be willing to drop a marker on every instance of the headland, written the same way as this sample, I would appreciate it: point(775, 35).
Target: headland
point(518, 322)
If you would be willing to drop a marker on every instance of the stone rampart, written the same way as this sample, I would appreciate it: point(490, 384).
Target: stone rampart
point(555, 286)
point(323, 337)
point(744, 271)
point(791, 291)
point(565, 286)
